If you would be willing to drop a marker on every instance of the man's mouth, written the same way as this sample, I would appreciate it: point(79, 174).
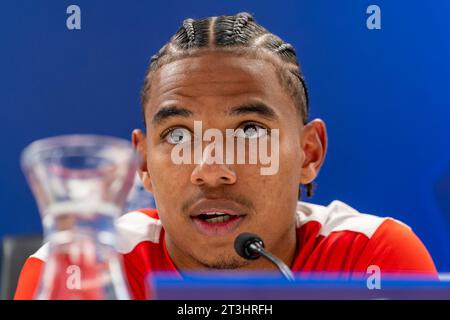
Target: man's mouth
point(211, 220)
point(215, 217)
point(216, 223)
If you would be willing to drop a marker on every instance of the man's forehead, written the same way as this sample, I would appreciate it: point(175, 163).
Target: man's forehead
point(210, 61)
point(211, 76)
point(211, 69)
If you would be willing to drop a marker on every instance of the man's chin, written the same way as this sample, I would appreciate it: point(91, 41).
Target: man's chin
point(223, 263)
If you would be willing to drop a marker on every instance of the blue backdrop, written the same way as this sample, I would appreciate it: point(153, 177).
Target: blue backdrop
point(383, 93)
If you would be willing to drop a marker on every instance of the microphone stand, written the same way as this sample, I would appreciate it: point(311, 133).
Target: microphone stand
point(284, 269)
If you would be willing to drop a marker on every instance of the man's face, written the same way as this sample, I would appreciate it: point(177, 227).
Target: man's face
point(223, 92)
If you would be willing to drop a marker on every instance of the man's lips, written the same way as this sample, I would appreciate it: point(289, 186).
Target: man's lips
point(217, 217)
point(215, 211)
point(212, 206)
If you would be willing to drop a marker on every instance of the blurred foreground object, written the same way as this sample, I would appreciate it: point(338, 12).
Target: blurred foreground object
point(81, 183)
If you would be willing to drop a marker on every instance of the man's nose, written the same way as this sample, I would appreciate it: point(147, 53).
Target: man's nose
point(212, 174)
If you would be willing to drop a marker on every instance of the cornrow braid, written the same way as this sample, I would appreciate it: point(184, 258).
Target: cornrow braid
point(189, 27)
point(238, 34)
point(239, 23)
point(286, 49)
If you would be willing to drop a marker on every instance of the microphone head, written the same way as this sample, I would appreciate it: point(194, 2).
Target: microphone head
point(242, 245)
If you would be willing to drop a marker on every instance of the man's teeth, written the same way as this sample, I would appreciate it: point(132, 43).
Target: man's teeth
point(219, 219)
point(216, 217)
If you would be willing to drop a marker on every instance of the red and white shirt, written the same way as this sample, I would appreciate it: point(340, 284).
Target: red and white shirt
point(334, 238)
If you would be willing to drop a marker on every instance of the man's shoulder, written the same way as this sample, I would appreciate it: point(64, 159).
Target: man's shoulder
point(341, 217)
point(138, 226)
point(365, 239)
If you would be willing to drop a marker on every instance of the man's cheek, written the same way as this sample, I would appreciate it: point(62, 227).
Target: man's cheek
point(164, 172)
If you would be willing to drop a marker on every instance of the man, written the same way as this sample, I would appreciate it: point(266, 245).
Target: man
point(231, 75)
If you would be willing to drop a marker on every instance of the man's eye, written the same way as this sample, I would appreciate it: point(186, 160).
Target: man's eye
point(251, 131)
point(178, 135)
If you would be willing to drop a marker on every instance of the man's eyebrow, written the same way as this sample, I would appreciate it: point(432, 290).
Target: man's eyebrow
point(254, 108)
point(167, 112)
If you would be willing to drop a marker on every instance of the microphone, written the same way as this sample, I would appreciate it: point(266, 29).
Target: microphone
point(249, 246)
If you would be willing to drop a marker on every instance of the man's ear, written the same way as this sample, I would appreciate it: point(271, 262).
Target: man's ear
point(314, 148)
point(139, 141)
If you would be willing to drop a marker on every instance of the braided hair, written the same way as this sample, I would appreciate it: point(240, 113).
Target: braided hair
point(240, 35)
